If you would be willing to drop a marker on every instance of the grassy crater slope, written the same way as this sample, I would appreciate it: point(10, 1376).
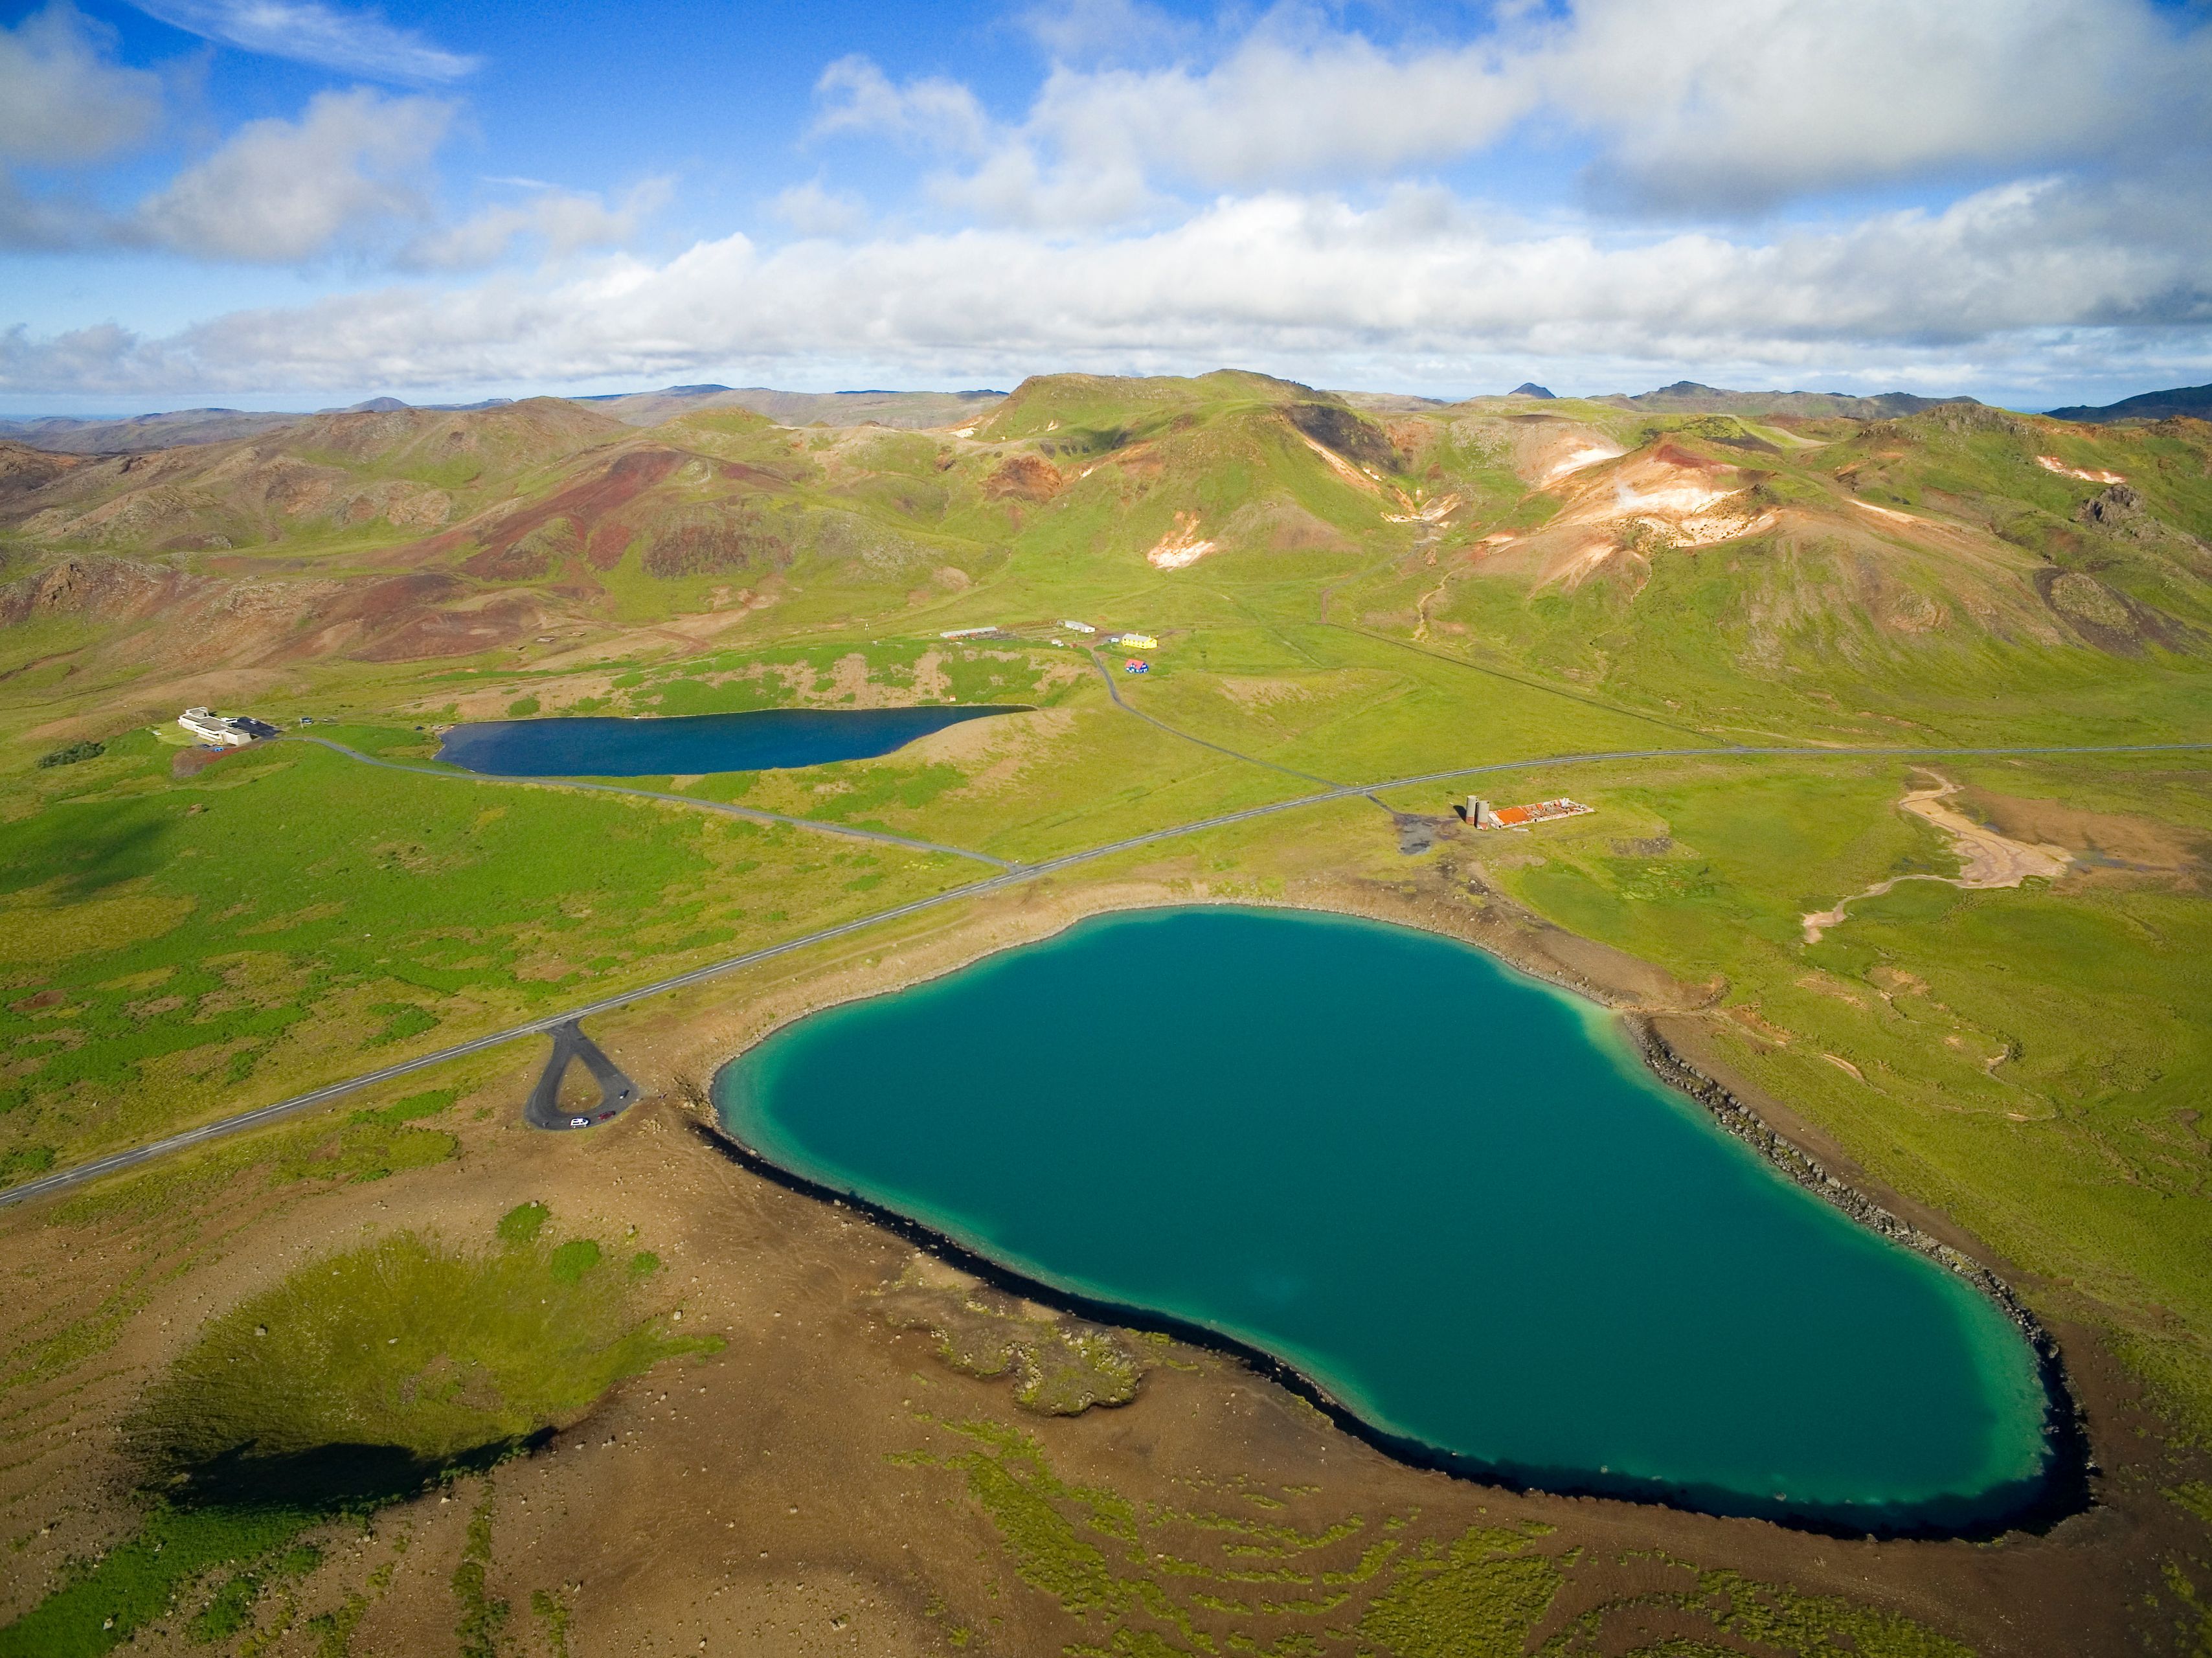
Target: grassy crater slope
point(359, 1381)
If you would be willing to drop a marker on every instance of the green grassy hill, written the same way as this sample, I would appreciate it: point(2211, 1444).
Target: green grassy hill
point(1789, 574)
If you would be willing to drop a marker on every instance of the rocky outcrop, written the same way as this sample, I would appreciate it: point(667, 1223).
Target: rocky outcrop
point(1340, 429)
point(2112, 508)
point(1028, 477)
point(94, 586)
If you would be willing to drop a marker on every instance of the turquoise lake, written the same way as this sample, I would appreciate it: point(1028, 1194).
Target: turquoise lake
point(590, 746)
point(1450, 1196)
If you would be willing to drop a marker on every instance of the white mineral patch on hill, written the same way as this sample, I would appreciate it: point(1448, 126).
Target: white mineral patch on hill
point(1426, 512)
point(1343, 468)
point(1694, 510)
point(1180, 548)
point(2051, 463)
point(1683, 500)
point(1587, 455)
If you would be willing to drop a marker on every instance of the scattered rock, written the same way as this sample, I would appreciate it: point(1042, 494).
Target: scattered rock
point(1060, 1366)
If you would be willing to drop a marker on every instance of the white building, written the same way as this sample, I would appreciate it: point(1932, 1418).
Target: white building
point(222, 731)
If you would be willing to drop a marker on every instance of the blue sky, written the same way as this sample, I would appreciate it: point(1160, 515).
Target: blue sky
point(299, 203)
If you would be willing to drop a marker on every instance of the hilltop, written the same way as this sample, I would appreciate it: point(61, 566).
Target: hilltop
point(1688, 397)
point(904, 410)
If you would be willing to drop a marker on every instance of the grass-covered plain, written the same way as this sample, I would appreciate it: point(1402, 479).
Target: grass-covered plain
point(172, 949)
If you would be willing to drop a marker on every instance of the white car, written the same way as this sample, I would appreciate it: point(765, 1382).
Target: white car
point(579, 1122)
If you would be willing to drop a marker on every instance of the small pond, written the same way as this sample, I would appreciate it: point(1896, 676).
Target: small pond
point(693, 744)
point(1448, 1196)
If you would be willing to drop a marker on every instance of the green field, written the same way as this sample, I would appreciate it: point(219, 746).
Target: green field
point(174, 950)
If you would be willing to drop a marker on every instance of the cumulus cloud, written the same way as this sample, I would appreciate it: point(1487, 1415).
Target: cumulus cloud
point(1076, 31)
point(307, 32)
point(1746, 103)
point(278, 192)
point(559, 221)
point(1265, 192)
point(813, 209)
point(858, 97)
point(1709, 105)
point(63, 100)
point(1275, 278)
point(351, 176)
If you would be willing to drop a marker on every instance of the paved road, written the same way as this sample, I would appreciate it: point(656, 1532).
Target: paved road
point(880, 836)
point(618, 1093)
point(1013, 876)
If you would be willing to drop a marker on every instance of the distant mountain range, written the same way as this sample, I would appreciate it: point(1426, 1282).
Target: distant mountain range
point(1688, 397)
point(129, 434)
point(72, 435)
point(910, 411)
point(2195, 400)
point(913, 411)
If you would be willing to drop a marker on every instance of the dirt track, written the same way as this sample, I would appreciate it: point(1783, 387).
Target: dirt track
point(1986, 858)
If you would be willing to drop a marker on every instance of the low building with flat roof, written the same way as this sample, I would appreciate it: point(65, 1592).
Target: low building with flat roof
point(223, 731)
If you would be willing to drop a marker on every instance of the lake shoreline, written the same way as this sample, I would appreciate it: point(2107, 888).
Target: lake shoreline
point(572, 746)
point(2035, 1517)
point(1567, 964)
point(2065, 1425)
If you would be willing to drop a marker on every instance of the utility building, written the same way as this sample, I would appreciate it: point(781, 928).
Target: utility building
point(1481, 815)
point(222, 731)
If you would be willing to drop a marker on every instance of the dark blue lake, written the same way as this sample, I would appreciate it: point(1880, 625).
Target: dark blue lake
point(1451, 1195)
point(694, 744)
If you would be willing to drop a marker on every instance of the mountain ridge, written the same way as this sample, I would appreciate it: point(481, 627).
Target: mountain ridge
point(1689, 397)
point(912, 410)
point(2193, 402)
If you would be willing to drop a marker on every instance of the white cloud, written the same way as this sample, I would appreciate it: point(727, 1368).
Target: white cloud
point(560, 222)
point(1728, 104)
point(857, 97)
point(1277, 280)
point(307, 32)
point(1751, 102)
point(1076, 31)
point(811, 209)
point(278, 192)
point(1282, 107)
point(352, 175)
point(63, 100)
point(1256, 200)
